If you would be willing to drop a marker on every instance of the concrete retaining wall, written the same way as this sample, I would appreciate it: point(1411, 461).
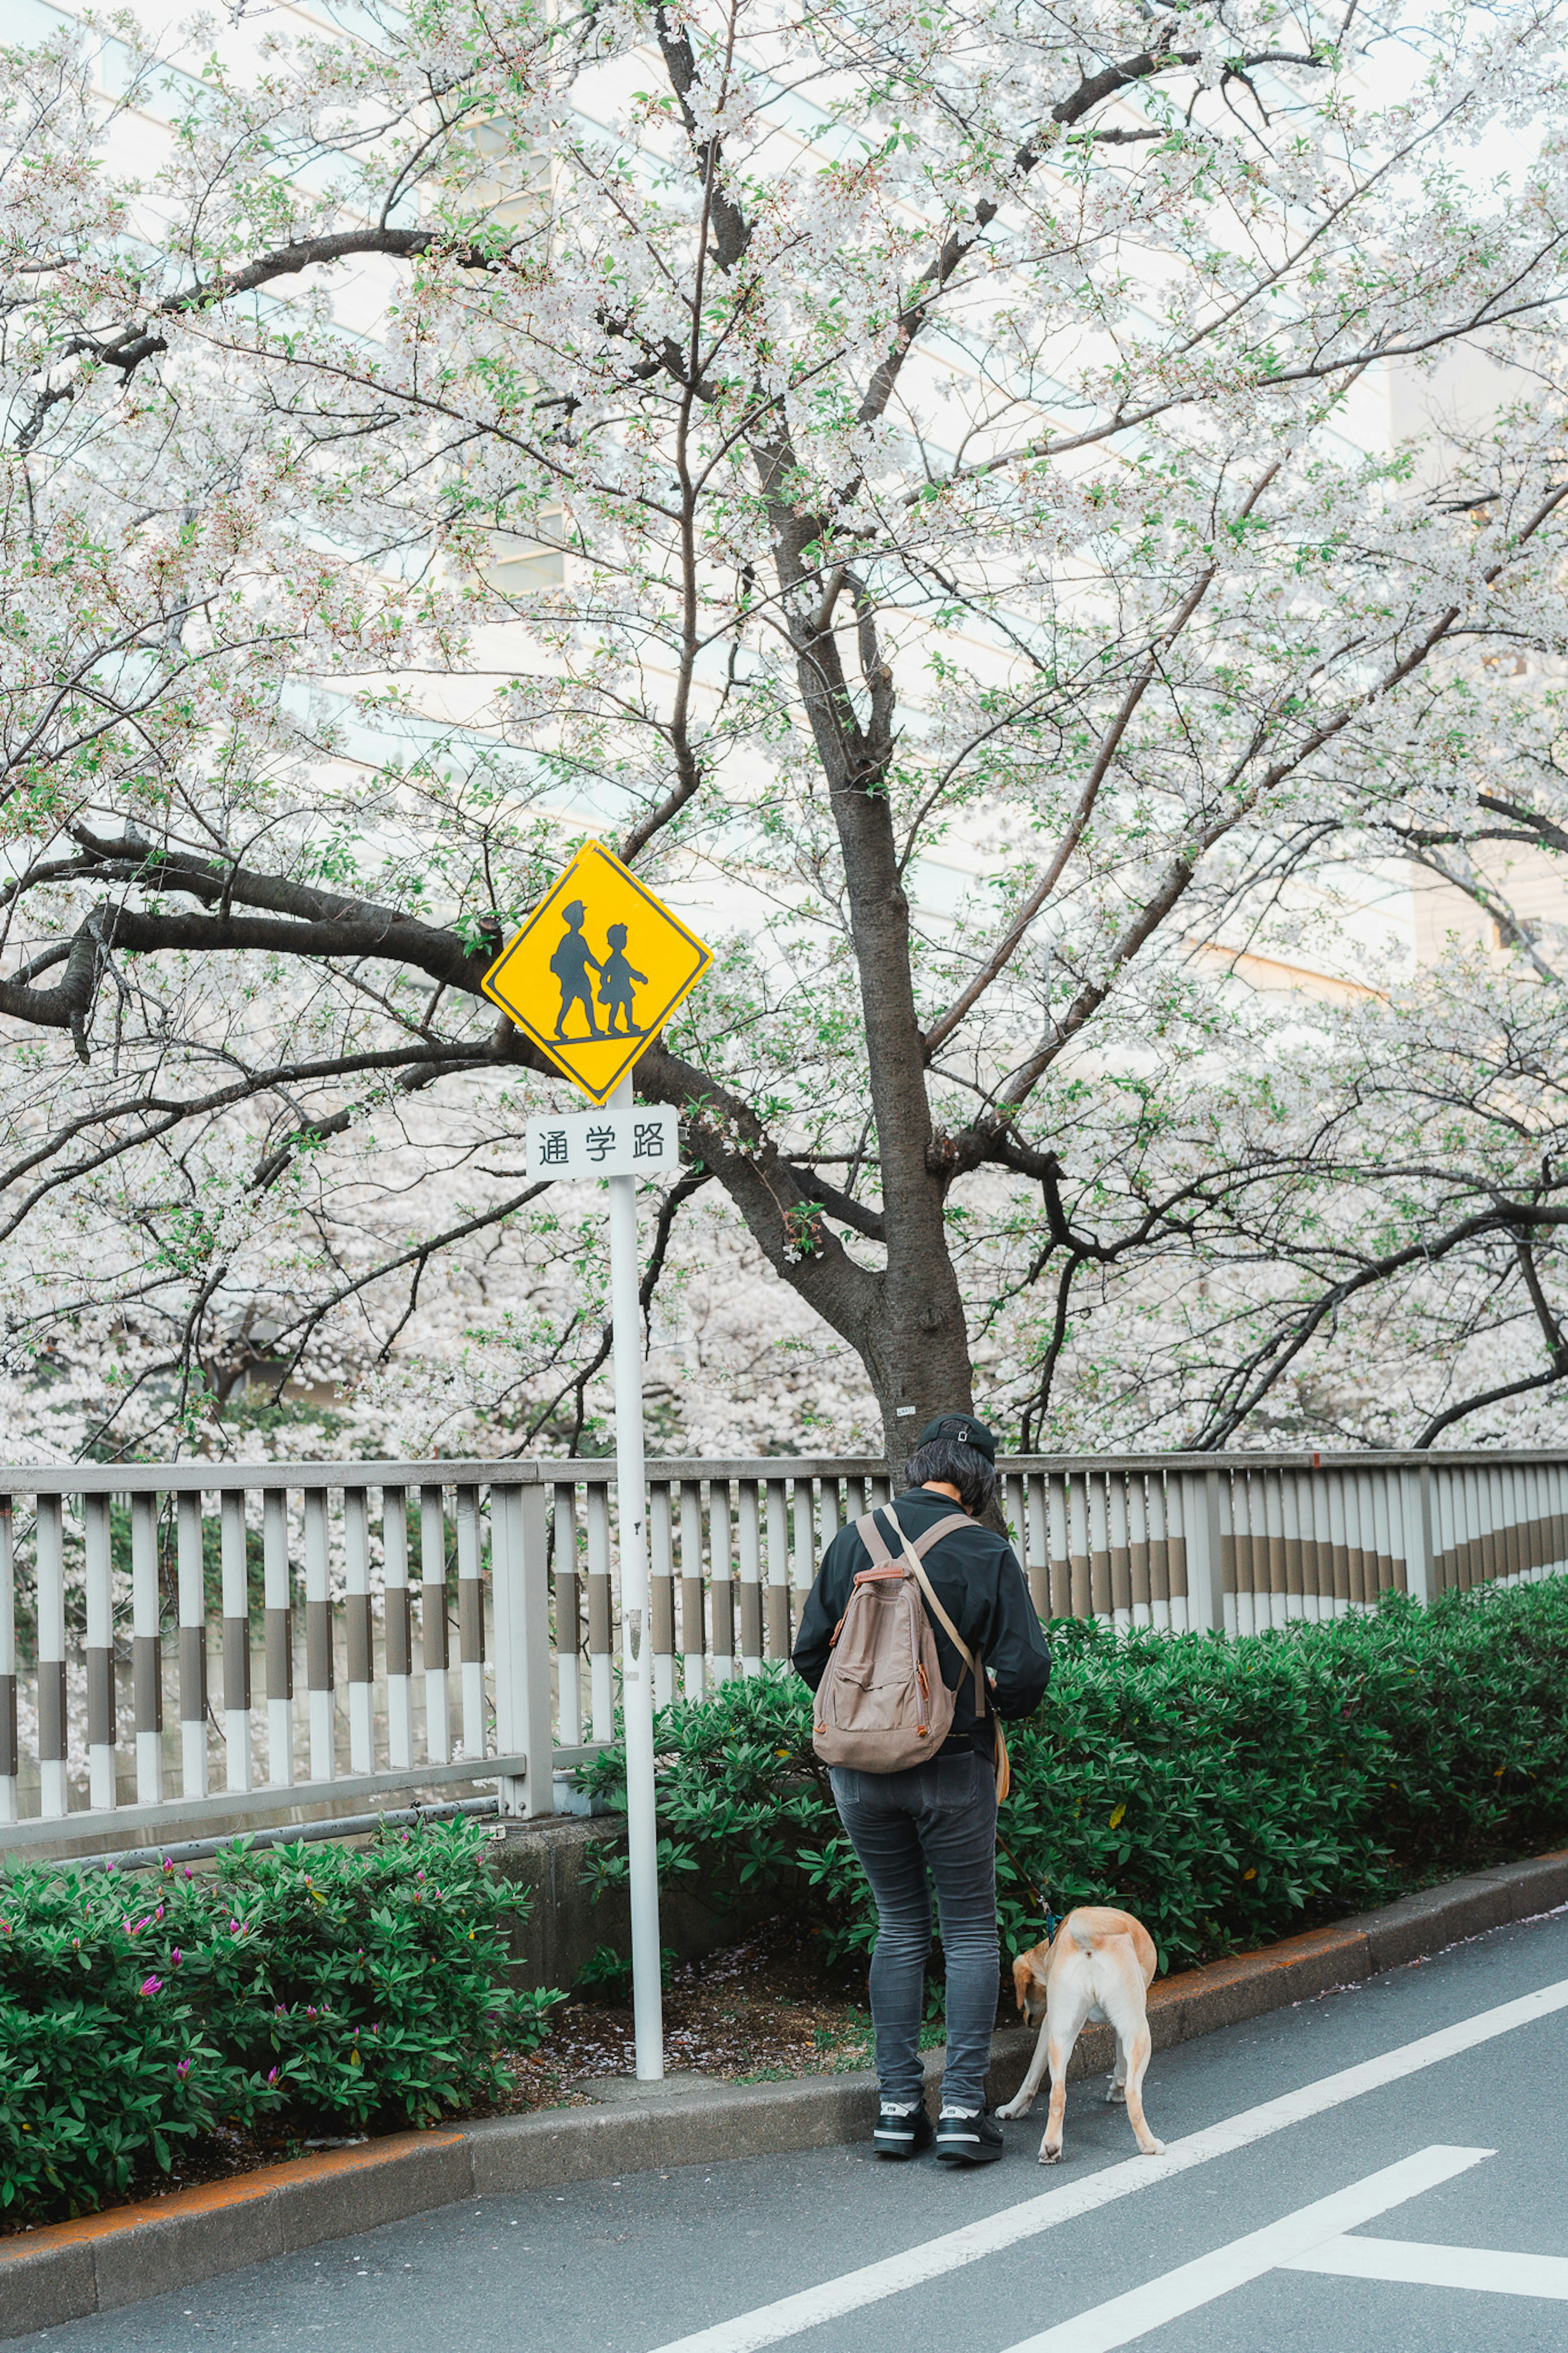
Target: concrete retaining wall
point(550, 1858)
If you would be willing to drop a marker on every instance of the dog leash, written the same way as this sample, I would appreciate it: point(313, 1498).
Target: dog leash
point(1053, 1919)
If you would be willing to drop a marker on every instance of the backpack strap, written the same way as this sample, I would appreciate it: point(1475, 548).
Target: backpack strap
point(871, 1536)
point(874, 1542)
point(869, 1532)
point(947, 1526)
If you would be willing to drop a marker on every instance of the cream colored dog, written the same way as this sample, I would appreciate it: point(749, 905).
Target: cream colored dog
point(1097, 1966)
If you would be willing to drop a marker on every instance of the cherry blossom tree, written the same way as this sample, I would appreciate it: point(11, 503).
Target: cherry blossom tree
point(961, 495)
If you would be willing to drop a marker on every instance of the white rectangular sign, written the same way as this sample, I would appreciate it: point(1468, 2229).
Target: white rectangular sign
point(645, 1141)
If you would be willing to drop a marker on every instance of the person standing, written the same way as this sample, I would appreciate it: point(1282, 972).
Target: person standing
point(936, 1820)
point(571, 963)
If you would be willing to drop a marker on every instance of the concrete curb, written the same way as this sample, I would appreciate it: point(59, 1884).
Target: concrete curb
point(68, 2270)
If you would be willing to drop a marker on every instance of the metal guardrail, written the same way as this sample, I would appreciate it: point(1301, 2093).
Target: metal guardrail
point(292, 1636)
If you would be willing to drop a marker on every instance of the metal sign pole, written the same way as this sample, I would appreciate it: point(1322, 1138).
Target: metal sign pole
point(599, 919)
point(637, 1644)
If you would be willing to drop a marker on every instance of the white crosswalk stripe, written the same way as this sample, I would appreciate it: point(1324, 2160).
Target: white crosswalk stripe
point(1491, 2271)
point(1123, 2318)
point(790, 2315)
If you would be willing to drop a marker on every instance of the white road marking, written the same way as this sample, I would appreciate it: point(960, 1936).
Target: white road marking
point(1486, 2268)
point(1125, 2318)
point(770, 2324)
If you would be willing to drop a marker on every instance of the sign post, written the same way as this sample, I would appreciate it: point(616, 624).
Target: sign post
point(598, 922)
point(636, 1648)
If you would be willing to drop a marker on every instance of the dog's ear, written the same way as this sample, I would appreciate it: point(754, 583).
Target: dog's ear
point(1023, 1972)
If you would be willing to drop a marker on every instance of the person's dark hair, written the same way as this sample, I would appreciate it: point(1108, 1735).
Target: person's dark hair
point(963, 1467)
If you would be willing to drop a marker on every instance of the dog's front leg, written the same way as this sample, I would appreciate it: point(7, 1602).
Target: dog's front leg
point(1023, 2099)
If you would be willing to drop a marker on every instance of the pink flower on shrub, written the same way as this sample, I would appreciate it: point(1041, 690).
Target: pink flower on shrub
point(152, 1985)
point(176, 1956)
point(182, 2069)
point(272, 2075)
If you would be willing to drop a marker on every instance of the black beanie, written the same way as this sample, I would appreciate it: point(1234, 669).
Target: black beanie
point(963, 1430)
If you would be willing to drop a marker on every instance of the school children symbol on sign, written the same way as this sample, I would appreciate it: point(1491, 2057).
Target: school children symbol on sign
point(596, 971)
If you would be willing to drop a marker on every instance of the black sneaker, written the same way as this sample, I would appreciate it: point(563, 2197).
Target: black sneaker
point(901, 2136)
point(968, 2141)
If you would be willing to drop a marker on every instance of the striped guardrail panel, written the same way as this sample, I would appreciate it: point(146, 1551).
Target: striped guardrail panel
point(450, 1607)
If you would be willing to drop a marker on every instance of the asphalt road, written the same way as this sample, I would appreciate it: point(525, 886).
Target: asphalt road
point(1437, 2166)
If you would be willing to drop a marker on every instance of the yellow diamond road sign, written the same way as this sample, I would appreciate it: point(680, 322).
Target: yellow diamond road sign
point(596, 971)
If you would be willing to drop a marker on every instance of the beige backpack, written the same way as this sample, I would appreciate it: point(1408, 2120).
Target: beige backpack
point(882, 1704)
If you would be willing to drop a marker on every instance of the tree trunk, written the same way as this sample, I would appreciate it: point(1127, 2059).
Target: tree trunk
point(918, 1367)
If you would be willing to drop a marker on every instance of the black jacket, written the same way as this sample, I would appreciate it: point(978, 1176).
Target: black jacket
point(977, 1578)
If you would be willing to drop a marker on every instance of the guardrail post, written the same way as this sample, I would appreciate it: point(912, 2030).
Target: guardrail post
point(723, 1588)
point(568, 1617)
point(193, 1648)
point(236, 1641)
point(778, 1626)
point(279, 1634)
point(1206, 1553)
point(751, 1579)
point(693, 1633)
point(320, 1671)
point(359, 1631)
point(433, 1623)
point(398, 1628)
point(601, 1615)
point(147, 1657)
point(1415, 1527)
point(101, 1709)
point(522, 1589)
point(54, 1793)
point(470, 1621)
point(8, 1758)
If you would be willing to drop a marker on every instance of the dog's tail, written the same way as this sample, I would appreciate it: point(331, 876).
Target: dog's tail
point(1091, 1927)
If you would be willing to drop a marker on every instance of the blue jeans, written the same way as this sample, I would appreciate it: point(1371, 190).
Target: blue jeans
point(939, 1818)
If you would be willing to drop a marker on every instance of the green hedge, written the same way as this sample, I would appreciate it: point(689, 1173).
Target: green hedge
point(300, 1986)
point(1227, 1792)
